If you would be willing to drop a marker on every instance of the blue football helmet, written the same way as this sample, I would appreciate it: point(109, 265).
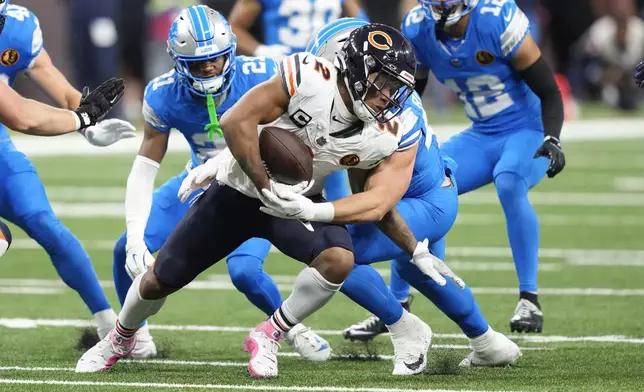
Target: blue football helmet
point(3, 6)
point(199, 34)
point(451, 11)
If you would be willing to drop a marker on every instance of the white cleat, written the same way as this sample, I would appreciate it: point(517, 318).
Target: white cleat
point(262, 344)
point(492, 349)
point(412, 339)
point(105, 353)
point(144, 347)
point(308, 344)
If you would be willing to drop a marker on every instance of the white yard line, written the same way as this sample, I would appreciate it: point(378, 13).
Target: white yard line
point(629, 184)
point(216, 386)
point(27, 323)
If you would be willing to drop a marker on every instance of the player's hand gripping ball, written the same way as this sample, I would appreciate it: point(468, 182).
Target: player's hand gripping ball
point(5, 238)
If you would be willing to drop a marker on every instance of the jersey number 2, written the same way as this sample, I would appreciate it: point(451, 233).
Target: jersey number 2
point(482, 95)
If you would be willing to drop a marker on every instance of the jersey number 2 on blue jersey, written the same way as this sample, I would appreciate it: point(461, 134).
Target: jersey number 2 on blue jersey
point(482, 95)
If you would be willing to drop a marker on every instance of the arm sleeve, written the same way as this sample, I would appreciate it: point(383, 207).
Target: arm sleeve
point(138, 198)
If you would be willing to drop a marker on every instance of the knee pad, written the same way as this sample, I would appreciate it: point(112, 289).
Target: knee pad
point(510, 186)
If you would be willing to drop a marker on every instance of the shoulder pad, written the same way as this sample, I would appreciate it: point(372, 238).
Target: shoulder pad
point(304, 73)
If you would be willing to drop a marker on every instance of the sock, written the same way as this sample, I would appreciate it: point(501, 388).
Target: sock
point(456, 303)
point(480, 343)
point(136, 309)
point(69, 258)
point(532, 297)
point(248, 276)
point(122, 280)
point(399, 326)
point(125, 332)
point(522, 227)
point(105, 319)
point(398, 286)
point(311, 292)
point(336, 186)
point(365, 286)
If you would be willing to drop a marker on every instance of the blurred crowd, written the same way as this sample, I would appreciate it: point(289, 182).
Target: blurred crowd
point(593, 45)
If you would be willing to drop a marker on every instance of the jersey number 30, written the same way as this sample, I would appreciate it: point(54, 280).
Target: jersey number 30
point(482, 95)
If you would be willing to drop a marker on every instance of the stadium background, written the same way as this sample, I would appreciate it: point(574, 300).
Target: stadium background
point(591, 216)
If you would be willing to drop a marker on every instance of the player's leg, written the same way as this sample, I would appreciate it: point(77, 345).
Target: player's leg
point(214, 226)
point(328, 252)
point(515, 173)
point(475, 166)
point(26, 205)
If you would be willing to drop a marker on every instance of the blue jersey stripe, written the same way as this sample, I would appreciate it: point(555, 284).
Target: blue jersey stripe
point(203, 18)
point(196, 24)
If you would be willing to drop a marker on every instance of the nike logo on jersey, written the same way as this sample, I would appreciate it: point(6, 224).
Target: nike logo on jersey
point(306, 60)
point(415, 365)
point(508, 17)
point(336, 120)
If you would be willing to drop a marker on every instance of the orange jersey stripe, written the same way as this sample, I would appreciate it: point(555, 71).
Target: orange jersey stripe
point(291, 86)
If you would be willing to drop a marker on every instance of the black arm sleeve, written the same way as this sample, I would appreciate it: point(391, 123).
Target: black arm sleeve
point(541, 80)
point(420, 86)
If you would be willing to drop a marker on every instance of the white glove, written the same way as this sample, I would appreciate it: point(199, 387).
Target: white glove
point(108, 132)
point(432, 266)
point(137, 260)
point(286, 204)
point(276, 52)
point(199, 178)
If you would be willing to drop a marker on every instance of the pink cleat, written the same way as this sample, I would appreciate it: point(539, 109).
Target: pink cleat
point(262, 344)
point(105, 353)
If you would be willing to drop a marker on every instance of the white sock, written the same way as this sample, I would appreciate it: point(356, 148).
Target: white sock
point(136, 309)
point(482, 341)
point(105, 318)
point(400, 325)
point(310, 293)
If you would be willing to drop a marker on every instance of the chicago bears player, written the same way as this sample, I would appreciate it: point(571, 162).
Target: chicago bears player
point(425, 199)
point(207, 80)
point(303, 97)
point(22, 196)
point(288, 25)
point(484, 52)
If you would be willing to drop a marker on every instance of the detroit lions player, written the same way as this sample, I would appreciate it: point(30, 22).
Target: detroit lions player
point(484, 52)
point(207, 80)
point(430, 196)
point(22, 196)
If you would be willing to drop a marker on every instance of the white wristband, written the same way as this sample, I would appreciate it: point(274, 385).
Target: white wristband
point(323, 212)
point(76, 119)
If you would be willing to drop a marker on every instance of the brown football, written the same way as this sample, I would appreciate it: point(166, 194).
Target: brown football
point(286, 158)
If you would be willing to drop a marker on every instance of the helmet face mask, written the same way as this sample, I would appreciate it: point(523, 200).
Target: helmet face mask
point(378, 66)
point(3, 6)
point(202, 46)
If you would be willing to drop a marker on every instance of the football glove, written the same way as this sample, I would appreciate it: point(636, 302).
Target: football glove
point(137, 260)
point(432, 266)
point(638, 75)
point(108, 132)
point(96, 104)
point(551, 149)
point(276, 52)
point(286, 203)
point(199, 177)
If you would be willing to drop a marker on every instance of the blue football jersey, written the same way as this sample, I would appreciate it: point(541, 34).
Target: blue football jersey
point(169, 104)
point(294, 22)
point(478, 68)
point(20, 43)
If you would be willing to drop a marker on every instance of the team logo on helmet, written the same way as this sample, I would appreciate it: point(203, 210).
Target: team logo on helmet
point(484, 57)
point(385, 41)
point(9, 57)
point(350, 160)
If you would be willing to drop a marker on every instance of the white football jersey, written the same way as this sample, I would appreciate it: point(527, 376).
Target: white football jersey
point(317, 115)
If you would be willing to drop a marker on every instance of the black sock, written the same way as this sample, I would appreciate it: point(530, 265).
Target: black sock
point(532, 297)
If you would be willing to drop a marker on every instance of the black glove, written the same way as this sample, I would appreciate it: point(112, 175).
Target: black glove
point(96, 104)
point(638, 75)
point(551, 148)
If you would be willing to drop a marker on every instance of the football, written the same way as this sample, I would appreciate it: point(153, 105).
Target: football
point(5, 238)
point(286, 158)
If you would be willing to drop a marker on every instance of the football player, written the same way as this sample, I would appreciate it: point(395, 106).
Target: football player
point(422, 192)
point(207, 80)
point(484, 52)
point(302, 98)
point(22, 196)
point(288, 25)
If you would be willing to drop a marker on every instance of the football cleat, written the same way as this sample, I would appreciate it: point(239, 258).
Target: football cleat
point(263, 343)
point(5, 237)
point(412, 339)
point(369, 328)
point(308, 344)
point(105, 353)
point(144, 347)
point(527, 318)
point(492, 349)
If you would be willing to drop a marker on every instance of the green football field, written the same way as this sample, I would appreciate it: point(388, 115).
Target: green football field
point(591, 279)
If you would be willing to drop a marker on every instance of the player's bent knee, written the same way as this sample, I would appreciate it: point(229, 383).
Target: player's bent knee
point(334, 264)
point(49, 232)
point(152, 288)
point(242, 274)
point(510, 185)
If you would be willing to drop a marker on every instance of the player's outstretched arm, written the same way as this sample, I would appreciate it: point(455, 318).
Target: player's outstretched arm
point(261, 105)
point(45, 74)
point(534, 69)
point(242, 17)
